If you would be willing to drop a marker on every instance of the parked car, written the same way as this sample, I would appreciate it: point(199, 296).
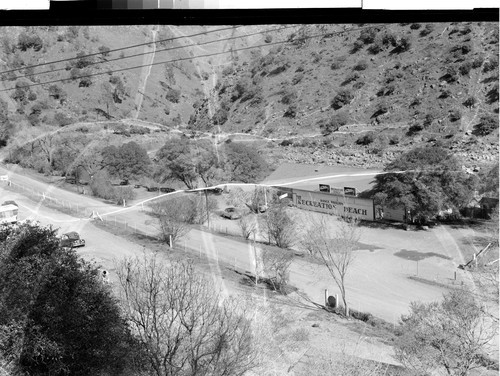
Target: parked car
point(72, 240)
point(153, 189)
point(215, 191)
point(231, 213)
point(124, 182)
point(166, 190)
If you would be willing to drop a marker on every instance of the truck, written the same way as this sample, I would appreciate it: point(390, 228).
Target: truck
point(8, 214)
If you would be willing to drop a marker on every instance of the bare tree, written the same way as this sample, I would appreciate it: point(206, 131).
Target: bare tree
point(336, 254)
point(182, 321)
point(276, 266)
point(173, 218)
point(279, 226)
point(247, 225)
point(452, 336)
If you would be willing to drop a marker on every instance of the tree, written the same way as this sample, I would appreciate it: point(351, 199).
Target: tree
point(247, 225)
point(451, 336)
point(336, 254)
point(279, 226)
point(182, 321)
point(276, 264)
point(174, 216)
point(126, 161)
point(425, 180)
point(244, 163)
point(56, 315)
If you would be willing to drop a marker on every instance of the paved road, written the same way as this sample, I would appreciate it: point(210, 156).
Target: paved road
point(378, 282)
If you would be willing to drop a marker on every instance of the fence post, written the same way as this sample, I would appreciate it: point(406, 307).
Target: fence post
point(326, 297)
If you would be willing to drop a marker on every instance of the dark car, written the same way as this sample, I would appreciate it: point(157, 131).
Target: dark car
point(215, 191)
point(72, 240)
point(153, 189)
point(231, 213)
point(166, 190)
point(124, 182)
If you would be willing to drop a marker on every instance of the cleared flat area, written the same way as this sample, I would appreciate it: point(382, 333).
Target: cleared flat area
point(310, 176)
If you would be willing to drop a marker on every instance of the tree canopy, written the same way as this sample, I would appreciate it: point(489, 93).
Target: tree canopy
point(244, 163)
point(126, 161)
point(56, 315)
point(425, 180)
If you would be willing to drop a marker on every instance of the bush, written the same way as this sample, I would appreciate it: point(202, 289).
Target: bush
point(486, 126)
point(366, 139)
point(360, 66)
point(465, 68)
point(104, 50)
point(403, 45)
point(288, 96)
point(297, 78)
point(477, 62)
point(375, 48)
point(368, 35)
point(415, 26)
point(83, 60)
point(123, 194)
point(62, 119)
point(173, 95)
point(357, 45)
point(415, 128)
point(26, 41)
point(268, 38)
point(328, 126)
point(469, 102)
point(490, 65)
point(342, 98)
point(85, 82)
point(455, 115)
point(429, 28)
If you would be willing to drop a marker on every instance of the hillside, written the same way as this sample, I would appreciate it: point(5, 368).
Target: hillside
point(350, 94)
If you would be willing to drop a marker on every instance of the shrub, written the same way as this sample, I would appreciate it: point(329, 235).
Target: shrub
point(357, 45)
point(366, 139)
point(469, 102)
point(297, 78)
point(62, 119)
point(477, 62)
point(486, 125)
point(415, 128)
point(57, 92)
point(455, 115)
point(403, 45)
point(361, 65)
point(123, 194)
point(350, 78)
point(465, 68)
point(220, 116)
point(173, 95)
point(291, 111)
point(368, 35)
point(83, 60)
point(490, 65)
point(85, 82)
point(268, 38)
point(375, 48)
point(342, 98)
point(415, 26)
point(394, 139)
point(104, 50)
point(288, 96)
point(26, 41)
point(336, 65)
point(328, 126)
point(429, 28)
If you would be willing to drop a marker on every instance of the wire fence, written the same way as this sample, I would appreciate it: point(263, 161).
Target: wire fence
point(44, 199)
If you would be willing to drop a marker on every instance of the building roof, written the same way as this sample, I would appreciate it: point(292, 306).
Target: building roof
point(303, 176)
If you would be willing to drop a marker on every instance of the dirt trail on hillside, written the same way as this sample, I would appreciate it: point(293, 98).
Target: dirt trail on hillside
point(147, 60)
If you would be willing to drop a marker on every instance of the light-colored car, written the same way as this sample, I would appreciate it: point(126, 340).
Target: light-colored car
point(231, 213)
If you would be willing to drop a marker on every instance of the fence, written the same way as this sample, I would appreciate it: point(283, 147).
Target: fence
point(51, 202)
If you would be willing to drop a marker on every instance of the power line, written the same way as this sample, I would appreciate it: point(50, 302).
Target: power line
point(143, 53)
point(194, 57)
point(119, 49)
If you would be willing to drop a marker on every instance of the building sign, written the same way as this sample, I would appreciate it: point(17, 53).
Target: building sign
point(337, 191)
point(349, 191)
point(324, 188)
point(340, 205)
